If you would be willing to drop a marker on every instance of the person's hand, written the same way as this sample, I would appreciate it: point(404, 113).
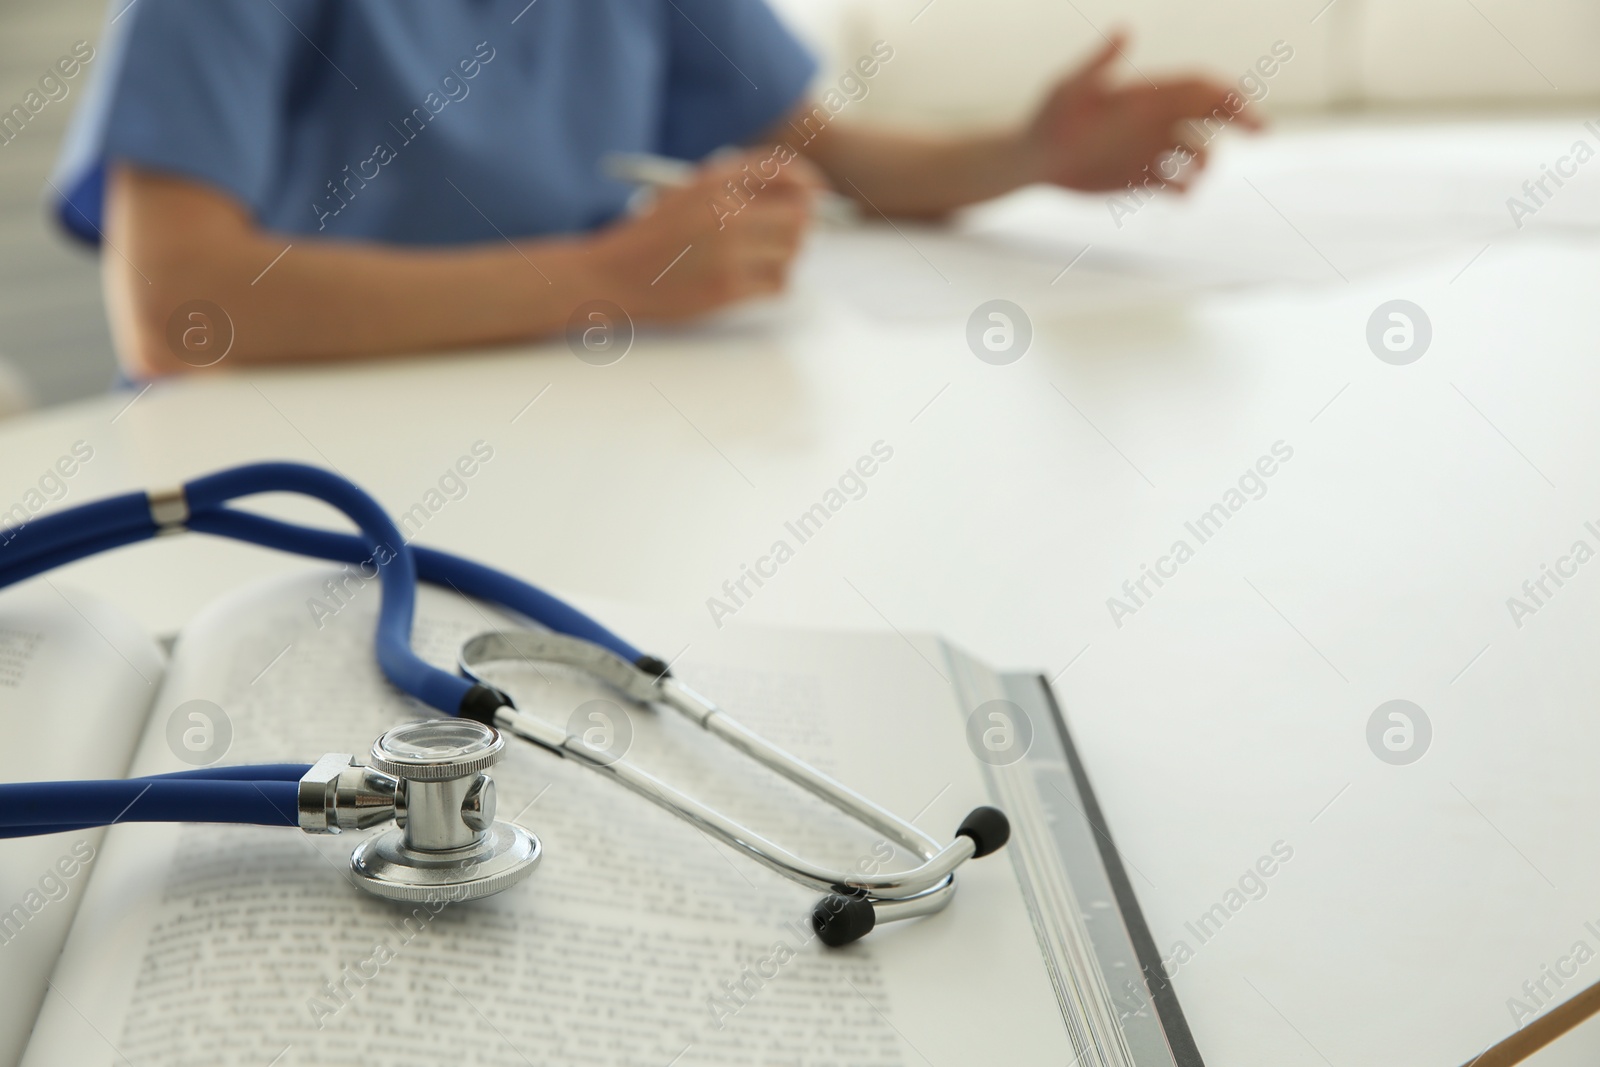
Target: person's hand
point(703, 246)
point(1093, 136)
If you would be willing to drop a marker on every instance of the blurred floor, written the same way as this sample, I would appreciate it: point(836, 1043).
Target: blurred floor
point(52, 327)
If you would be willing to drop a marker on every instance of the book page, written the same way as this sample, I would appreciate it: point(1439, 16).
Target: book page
point(77, 678)
point(637, 941)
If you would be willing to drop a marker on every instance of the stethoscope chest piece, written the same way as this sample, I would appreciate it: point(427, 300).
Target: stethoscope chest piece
point(446, 845)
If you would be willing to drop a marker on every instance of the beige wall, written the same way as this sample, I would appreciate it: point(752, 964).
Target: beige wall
point(966, 61)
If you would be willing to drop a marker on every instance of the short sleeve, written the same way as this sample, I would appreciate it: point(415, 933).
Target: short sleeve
point(734, 70)
point(198, 88)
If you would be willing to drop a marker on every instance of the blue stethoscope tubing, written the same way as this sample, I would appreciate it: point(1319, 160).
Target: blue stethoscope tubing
point(266, 794)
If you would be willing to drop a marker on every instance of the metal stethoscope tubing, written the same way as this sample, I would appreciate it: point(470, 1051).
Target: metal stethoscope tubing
point(938, 862)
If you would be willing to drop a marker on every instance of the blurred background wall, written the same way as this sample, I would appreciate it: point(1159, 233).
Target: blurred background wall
point(52, 330)
point(961, 62)
point(957, 63)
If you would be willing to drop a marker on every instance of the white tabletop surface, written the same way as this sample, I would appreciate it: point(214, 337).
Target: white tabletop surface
point(1230, 712)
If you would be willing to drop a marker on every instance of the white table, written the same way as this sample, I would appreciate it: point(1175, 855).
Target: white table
point(1230, 711)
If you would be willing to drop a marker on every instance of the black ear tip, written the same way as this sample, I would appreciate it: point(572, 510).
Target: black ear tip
point(839, 920)
point(989, 829)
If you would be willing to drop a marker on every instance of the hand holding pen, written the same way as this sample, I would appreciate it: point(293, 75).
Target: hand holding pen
point(652, 173)
point(711, 235)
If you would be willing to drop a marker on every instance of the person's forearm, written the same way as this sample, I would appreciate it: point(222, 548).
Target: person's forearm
point(171, 243)
point(918, 175)
point(322, 299)
point(174, 247)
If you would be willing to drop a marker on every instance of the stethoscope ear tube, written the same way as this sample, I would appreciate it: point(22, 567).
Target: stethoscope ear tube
point(200, 505)
point(73, 533)
point(396, 566)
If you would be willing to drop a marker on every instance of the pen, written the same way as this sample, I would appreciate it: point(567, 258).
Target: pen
point(651, 171)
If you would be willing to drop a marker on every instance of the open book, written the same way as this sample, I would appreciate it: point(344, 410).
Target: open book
point(638, 940)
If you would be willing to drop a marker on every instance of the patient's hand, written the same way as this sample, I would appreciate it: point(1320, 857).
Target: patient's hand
point(729, 235)
point(1093, 136)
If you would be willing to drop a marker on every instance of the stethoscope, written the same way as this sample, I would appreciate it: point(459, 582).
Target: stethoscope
point(429, 777)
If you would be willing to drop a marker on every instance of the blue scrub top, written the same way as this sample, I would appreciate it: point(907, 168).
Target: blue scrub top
point(421, 122)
